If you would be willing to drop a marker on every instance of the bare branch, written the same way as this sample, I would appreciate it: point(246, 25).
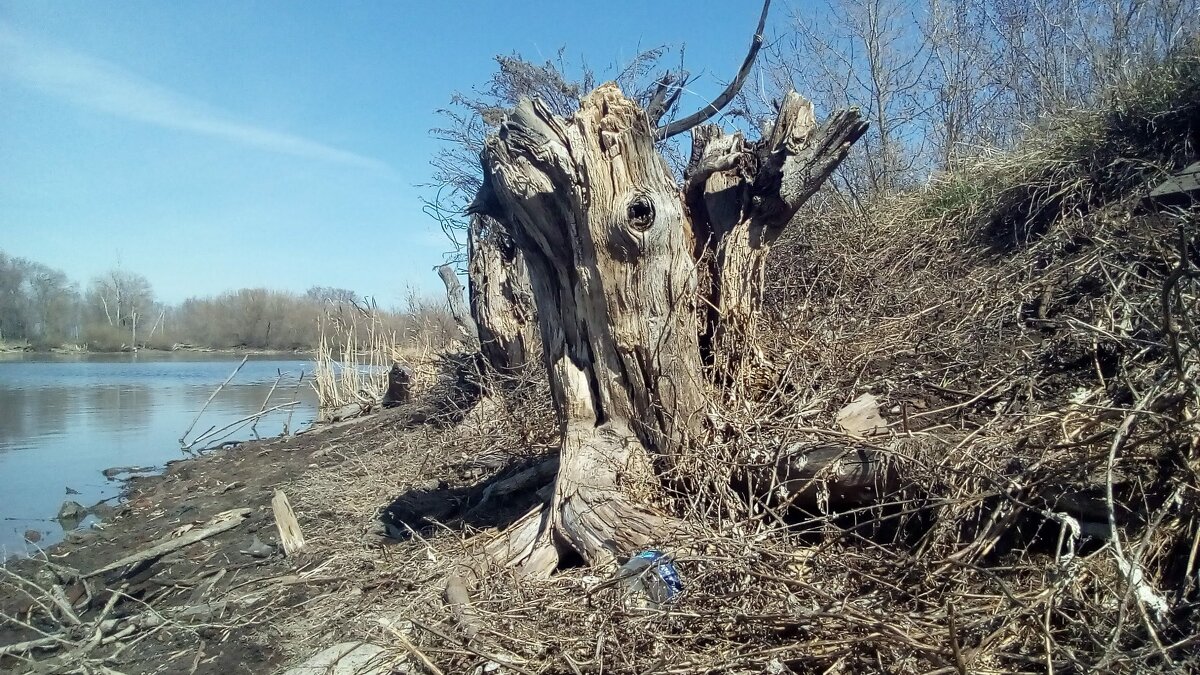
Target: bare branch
point(706, 113)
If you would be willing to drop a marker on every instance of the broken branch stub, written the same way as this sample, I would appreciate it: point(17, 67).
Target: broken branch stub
point(291, 537)
point(741, 196)
point(458, 308)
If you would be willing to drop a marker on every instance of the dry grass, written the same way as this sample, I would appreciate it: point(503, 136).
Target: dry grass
point(356, 347)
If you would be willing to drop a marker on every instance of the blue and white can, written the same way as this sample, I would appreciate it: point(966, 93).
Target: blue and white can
point(653, 574)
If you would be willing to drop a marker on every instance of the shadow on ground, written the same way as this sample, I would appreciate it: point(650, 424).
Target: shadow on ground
point(435, 504)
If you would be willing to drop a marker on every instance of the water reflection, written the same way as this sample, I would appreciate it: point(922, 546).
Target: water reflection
point(65, 419)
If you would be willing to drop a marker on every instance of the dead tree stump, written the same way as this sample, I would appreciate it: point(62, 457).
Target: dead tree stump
point(613, 246)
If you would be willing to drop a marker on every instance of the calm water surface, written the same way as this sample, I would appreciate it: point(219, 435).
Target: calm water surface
point(64, 419)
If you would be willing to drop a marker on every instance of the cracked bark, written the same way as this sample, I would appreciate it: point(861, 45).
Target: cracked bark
point(613, 247)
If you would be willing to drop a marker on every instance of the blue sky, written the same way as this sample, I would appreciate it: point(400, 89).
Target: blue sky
point(217, 145)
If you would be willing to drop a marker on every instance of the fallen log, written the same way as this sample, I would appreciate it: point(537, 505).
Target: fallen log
point(532, 478)
point(834, 476)
point(343, 413)
point(140, 560)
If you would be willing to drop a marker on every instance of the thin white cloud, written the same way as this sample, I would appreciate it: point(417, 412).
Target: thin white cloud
point(99, 85)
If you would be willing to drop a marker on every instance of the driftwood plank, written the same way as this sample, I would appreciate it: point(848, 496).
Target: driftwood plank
point(221, 523)
point(290, 535)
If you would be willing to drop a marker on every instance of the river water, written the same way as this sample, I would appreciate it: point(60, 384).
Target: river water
point(64, 419)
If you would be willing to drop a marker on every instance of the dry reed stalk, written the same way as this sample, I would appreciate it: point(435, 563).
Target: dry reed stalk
point(211, 396)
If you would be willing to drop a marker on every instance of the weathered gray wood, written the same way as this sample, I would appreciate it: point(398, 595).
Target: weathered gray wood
point(739, 214)
point(612, 253)
point(291, 537)
point(532, 478)
point(501, 299)
point(834, 476)
point(458, 308)
point(611, 257)
point(221, 523)
point(1182, 189)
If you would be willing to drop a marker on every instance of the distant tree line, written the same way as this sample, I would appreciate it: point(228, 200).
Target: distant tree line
point(42, 309)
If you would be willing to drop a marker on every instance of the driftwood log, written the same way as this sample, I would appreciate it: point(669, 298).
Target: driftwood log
point(614, 246)
point(131, 564)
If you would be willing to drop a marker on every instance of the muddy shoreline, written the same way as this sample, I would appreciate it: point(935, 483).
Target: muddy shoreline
point(206, 607)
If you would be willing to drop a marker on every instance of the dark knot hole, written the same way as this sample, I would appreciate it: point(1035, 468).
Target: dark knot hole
point(640, 213)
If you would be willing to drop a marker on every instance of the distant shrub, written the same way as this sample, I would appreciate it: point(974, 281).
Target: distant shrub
point(43, 343)
point(101, 337)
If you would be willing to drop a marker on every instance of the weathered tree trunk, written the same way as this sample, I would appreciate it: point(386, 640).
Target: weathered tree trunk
point(740, 196)
point(399, 386)
point(501, 298)
point(611, 250)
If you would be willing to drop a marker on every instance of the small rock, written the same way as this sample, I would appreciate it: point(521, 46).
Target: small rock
point(33, 536)
point(347, 658)
point(71, 511)
point(257, 549)
point(72, 491)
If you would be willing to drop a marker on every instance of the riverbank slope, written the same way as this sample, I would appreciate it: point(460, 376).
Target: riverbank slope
point(232, 601)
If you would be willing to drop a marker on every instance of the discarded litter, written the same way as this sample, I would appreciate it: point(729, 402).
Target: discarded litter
point(651, 575)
